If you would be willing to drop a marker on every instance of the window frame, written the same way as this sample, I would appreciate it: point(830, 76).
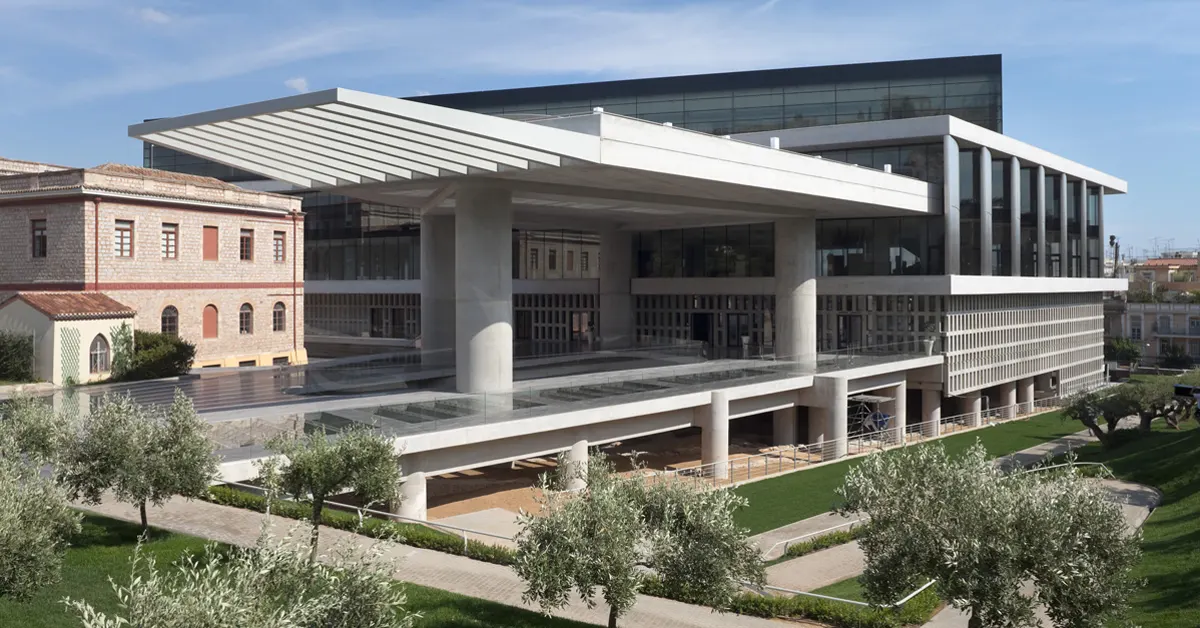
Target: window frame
point(279, 246)
point(123, 230)
point(246, 320)
point(279, 316)
point(162, 321)
point(246, 245)
point(169, 240)
point(103, 352)
point(37, 225)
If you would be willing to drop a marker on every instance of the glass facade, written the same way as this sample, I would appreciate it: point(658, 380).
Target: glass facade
point(733, 251)
point(1095, 239)
point(968, 211)
point(880, 246)
point(161, 158)
point(1001, 244)
point(1054, 252)
point(920, 161)
point(1074, 243)
point(738, 102)
point(345, 239)
point(1029, 226)
point(556, 254)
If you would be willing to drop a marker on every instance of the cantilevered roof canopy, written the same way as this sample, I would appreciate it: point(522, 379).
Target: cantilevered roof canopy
point(576, 170)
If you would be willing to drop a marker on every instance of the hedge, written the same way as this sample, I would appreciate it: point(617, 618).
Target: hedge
point(412, 534)
point(916, 611)
point(159, 355)
point(16, 357)
point(824, 541)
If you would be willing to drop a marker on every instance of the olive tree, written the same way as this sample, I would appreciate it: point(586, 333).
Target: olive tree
point(268, 585)
point(32, 430)
point(144, 454)
point(606, 538)
point(317, 466)
point(983, 535)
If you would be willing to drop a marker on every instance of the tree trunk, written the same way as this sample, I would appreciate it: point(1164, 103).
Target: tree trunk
point(317, 506)
point(1145, 419)
point(975, 621)
point(612, 617)
point(145, 523)
point(1097, 431)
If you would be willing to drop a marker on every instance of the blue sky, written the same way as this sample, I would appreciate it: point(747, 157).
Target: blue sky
point(1110, 83)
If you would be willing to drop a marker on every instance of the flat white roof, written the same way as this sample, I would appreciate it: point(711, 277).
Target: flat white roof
point(595, 166)
point(947, 285)
point(905, 130)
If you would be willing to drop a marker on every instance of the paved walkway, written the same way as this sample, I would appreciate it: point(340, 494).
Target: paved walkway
point(770, 543)
point(457, 574)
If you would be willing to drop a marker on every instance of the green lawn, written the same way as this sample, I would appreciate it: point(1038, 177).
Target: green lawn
point(786, 499)
point(848, 589)
point(1169, 460)
point(105, 545)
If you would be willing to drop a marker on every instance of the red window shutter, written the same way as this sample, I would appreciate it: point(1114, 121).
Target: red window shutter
point(211, 247)
point(210, 321)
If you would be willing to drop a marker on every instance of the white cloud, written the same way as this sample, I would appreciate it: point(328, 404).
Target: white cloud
point(150, 15)
point(298, 84)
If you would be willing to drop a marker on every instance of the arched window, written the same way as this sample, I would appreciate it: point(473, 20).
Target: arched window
point(170, 321)
point(246, 319)
point(99, 355)
point(279, 316)
point(210, 321)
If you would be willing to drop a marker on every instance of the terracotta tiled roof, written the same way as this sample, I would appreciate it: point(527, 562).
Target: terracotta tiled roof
point(73, 305)
point(162, 175)
point(1171, 261)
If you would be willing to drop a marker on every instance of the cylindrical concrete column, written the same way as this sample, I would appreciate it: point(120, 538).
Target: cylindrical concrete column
point(831, 393)
point(437, 289)
point(577, 458)
point(898, 409)
point(413, 504)
point(483, 289)
point(951, 200)
point(972, 406)
point(616, 304)
point(714, 436)
point(985, 211)
point(1043, 267)
point(1100, 228)
point(1025, 395)
point(784, 426)
point(796, 290)
point(1014, 216)
point(1008, 400)
point(931, 411)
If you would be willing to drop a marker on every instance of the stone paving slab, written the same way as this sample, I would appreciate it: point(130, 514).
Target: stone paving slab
point(457, 574)
point(770, 542)
point(496, 521)
point(818, 569)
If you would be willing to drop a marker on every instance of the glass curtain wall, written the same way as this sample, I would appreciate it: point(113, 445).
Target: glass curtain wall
point(555, 254)
point(1001, 244)
point(730, 251)
point(880, 246)
point(1074, 221)
point(968, 210)
point(920, 161)
point(1095, 240)
point(345, 239)
point(1054, 252)
point(1029, 225)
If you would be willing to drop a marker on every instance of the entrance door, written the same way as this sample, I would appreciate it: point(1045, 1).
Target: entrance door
point(702, 327)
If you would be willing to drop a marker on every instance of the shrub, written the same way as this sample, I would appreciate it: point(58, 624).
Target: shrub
point(411, 534)
point(16, 356)
point(1122, 350)
point(824, 541)
point(1176, 357)
point(159, 355)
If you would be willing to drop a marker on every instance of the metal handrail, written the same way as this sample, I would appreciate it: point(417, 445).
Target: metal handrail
point(787, 543)
point(360, 510)
point(897, 604)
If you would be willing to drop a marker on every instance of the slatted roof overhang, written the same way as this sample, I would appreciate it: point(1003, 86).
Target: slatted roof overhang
point(406, 153)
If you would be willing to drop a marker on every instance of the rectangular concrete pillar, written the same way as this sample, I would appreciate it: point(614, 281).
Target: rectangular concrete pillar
point(985, 211)
point(1025, 395)
point(714, 435)
point(931, 413)
point(796, 290)
point(898, 409)
point(830, 393)
point(784, 426)
point(437, 289)
point(616, 303)
point(483, 288)
point(1014, 216)
point(1008, 400)
point(972, 406)
point(1043, 267)
point(950, 213)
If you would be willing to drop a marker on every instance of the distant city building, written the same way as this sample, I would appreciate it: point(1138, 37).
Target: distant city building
point(214, 263)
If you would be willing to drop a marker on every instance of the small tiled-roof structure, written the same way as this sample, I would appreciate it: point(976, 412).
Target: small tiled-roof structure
point(73, 306)
point(1164, 262)
point(162, 175)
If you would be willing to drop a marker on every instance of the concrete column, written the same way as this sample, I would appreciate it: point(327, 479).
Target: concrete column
point(796, 290)
point(950, 213)
point(785, 426)
point(577, 458)
point(898, 408)
point(818, 420)
point(1014, 217)
point(1043, 268)
point(831, 393)
point(1064, 253)
point(931, 410)
point(1008, 400)
point(413, 504)
point(985, 211)
point(972, 405)
point(714, 435)
point(616, 304)
point(483, 289)
point(1103, 236)
point(1025, 395)
point(437, 289)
